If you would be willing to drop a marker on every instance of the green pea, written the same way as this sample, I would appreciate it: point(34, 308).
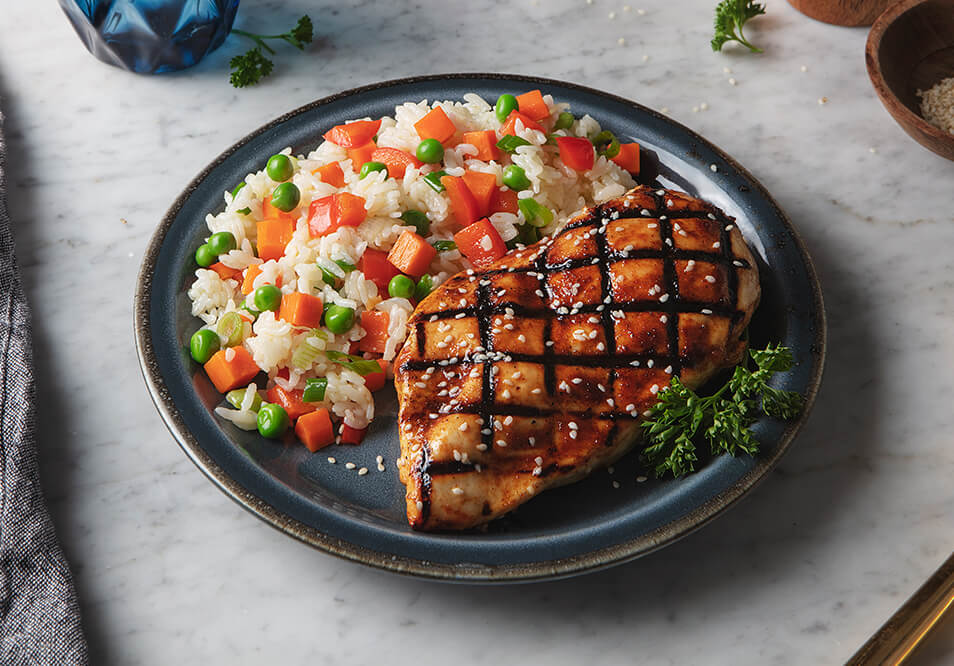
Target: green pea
point(279, 168)
point(267, 297)
point(204, 256)
point(418, 220)
point(372, 167)
point(423, 287)
point(203, 345)
point(505, 104)
point(338, 318)
point(285, 197)
point(401, 286)
point(272, 420)
point(515, 178)
point(231, 327)
point(221, 242)
point(564, 121)
point(430, 151)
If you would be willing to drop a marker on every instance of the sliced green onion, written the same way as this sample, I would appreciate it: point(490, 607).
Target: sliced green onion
point(444, 245)
point(244, 211)
point(510, 143)
point(423, 287)
point(328, 277)
point(606, 144)
point(238, 188)
point(315, 389)
point(535, 213)
point(237, 397)
point(357, 364)
point(418, 220)
point(345, 266)
point(433, 179)
point(527, 234)
point(305, 354)
point(564, 121)
point(231, 328)
point(254, 313)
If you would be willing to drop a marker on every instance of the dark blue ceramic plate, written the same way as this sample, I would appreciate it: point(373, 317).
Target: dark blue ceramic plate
point(566, 531)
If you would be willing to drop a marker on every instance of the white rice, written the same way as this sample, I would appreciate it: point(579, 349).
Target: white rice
point(272, 341)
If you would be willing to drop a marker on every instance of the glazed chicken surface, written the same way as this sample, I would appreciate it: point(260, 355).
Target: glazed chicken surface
point(536, 370)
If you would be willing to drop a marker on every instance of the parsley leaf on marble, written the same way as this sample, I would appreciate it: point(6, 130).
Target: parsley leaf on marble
point(681, 417)
point(730, 16)
point(253, 65)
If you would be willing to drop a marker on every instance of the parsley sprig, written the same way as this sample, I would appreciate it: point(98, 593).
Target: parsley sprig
point(253, 65)
point(730, 16)
point(723, 418)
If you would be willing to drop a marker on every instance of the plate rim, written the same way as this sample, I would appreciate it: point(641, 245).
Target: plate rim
point(594, 560)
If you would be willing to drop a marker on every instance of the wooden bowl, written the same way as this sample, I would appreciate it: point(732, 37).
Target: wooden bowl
point(842, 12)
point(910, 48)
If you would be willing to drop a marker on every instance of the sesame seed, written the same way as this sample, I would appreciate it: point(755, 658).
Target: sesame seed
point(640, 479)
point(668, 370)
point(332, 460)
point(710, 279)
point(501, 443)
point(350, 465)
point(531, 440)
point(362, 471)
point(717, 245)
point(537, 471)
point(630, 407)
point(664, 298)
point(713, 168)
point(577, 380)
point(508, 420)
point(481, 447)
point(573, 434)
point(379, 459)
point(650, 363)
point(706, 311)
point(420, 505)
point(654, 389)
point(616, 484)
point(536, 391)
point(457, 490)
point(635, 364)
point(380, 467)
point(610, 402)
point(462, 427)
point(663, 318)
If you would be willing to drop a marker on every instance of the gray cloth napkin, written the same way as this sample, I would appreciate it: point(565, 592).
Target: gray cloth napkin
point(39, 615)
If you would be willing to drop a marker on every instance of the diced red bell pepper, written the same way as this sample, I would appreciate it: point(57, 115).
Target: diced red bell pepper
point(360, 155)
point(352, 135)
point(504, 201)
point(351, 435)
point(480, 243)
point(376, 267)
point(341, 209)
point(509, 124)
point(375, 381)
point(576, 152)
point(462, 202)
point(375, 324)
point(331, 174)
point(290, 401)
point(397, 161)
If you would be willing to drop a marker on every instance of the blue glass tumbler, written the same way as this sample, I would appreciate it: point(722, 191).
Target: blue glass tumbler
point(151, 36)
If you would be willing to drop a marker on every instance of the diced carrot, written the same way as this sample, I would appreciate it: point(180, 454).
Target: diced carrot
point(351, 435)
point(314, 429)
point(532, 105)
point(250, 274)
point(628, 157)
point(269, 212)
point(273, 235)
point(375, 325)
point(300, 309)
point(360, 155)
point(331, 174)
point(509, 124)
point(397, 161)
point(435, 125)
point(576, 152)
point(353, 134)
point(224, 271)
point(411, 254)
point(231, 368)
point(482, 186)
point(504, 201)
point(290, 401)
point(480, 243)
point(375, 381)
point(341, 209)
point(462, 202)
point(485, 141)
point(376, 267)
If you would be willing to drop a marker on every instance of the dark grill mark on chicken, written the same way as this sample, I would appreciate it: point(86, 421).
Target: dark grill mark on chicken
point(536, 370)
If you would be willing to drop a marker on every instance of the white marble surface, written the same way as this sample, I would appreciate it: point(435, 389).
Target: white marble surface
point(170, 571)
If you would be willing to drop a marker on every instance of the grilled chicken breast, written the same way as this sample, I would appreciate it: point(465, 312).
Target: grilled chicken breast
point(536, 370)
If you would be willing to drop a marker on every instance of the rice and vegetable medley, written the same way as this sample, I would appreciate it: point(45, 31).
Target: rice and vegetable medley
point(313, 268)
